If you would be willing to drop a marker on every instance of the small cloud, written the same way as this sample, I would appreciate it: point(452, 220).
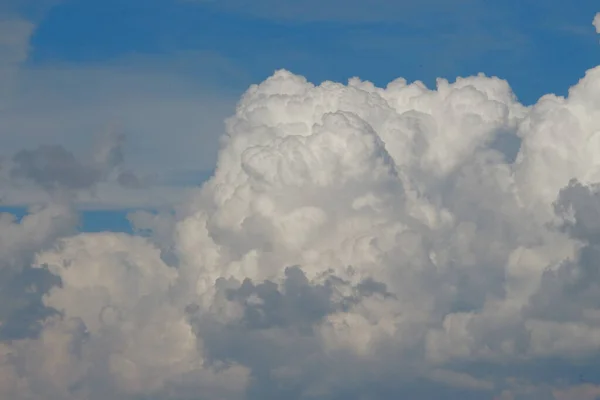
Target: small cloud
point(54, 168)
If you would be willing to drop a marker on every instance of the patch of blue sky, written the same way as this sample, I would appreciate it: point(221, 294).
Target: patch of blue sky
point(90, 220)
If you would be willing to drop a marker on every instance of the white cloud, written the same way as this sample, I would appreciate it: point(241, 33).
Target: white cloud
point(354, 242)
point(596, 22)
point(580, 392)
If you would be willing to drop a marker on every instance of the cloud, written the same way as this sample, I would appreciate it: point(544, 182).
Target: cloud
point(16, 30)
point(141, 98)
point(59, 107)
point(51, 173)
point(75, 105)
point(52, 167)
point(21, 285)
point(583, 392)
point(15, 33)
point(596, 22)
point(354, 242)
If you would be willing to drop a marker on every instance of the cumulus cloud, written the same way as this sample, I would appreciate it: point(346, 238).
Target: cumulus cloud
point(596, 22)
point(354, 242)
point(21, 286)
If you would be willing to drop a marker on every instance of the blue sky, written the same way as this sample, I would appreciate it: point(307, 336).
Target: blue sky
point(539, 48)
point(91, 220)
point(168, 72)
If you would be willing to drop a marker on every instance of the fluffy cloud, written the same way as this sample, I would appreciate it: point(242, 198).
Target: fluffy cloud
point(20, 284)
point(354, 242)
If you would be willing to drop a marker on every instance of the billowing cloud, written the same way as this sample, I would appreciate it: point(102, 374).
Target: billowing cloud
point(597, 22)
point(22, 286)
point(355, 242)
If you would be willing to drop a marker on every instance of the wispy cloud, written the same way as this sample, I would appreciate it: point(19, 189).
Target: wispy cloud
point(170, 112)
point(170, 107)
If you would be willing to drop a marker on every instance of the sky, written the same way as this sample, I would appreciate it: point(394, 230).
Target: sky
point(167, 73)
point(254, 200)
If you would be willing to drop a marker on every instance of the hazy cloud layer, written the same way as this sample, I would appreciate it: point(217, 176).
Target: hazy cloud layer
point(100, 178)
point(58, 108)
point(355, 242)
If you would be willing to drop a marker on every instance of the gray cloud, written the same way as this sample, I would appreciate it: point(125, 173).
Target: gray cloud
point(53, 167)
point(57, 170)
point(570, 290)
point(22, 286)
point(275, 335)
